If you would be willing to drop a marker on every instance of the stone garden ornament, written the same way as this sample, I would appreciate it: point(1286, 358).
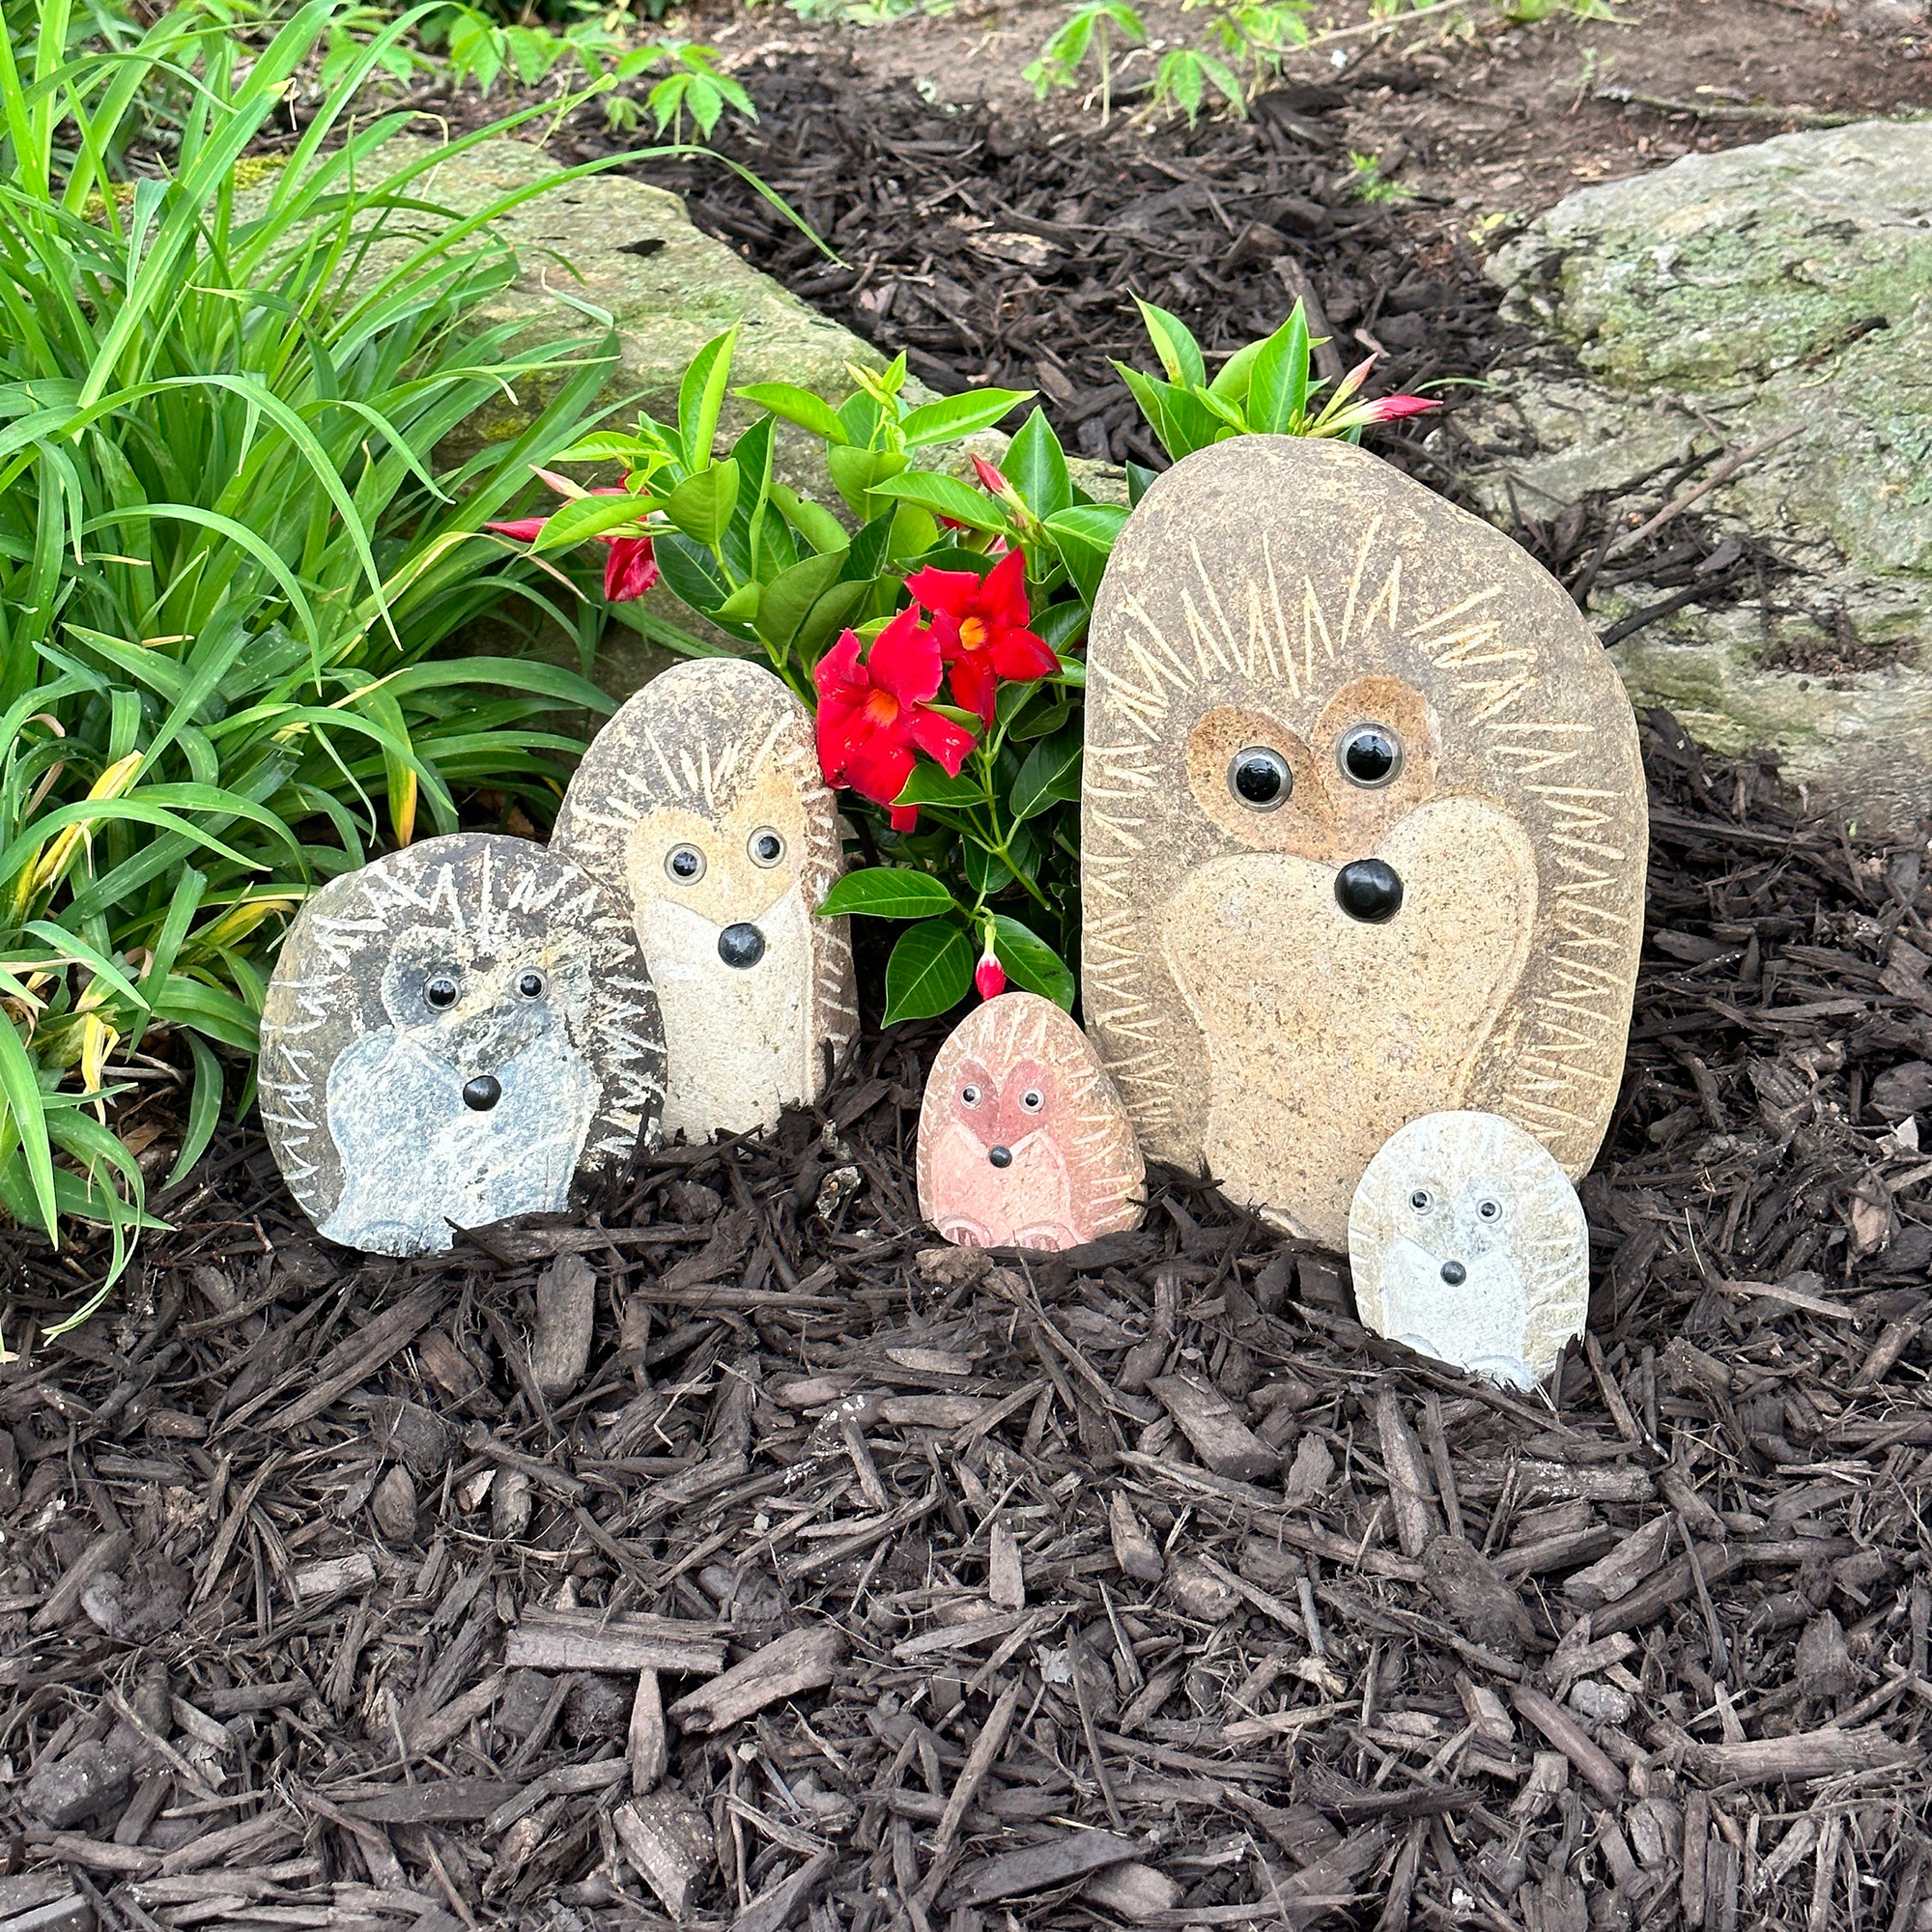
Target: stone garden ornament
point(1023, 1142)
point(1362, 828)
point(701, 806)
point(452, 1035)
point(1467, 1243)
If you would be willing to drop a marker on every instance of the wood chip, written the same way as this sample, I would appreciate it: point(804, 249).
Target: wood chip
point(801, 1661)
point(1218, 1435)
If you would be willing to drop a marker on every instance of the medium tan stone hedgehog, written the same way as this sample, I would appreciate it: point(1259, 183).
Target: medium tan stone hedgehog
point(701, 806)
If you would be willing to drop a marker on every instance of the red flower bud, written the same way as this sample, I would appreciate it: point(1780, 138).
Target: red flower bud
point(989, 477)
point(989, 975)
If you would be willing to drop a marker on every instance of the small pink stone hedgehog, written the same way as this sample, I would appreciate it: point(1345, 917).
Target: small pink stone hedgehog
point(1023, 1141)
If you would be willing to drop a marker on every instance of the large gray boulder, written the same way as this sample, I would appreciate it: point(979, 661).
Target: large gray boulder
point(1778, 290)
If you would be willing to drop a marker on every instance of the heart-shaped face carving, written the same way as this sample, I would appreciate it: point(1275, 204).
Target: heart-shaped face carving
point(1319, 1051)
point(1362, 827)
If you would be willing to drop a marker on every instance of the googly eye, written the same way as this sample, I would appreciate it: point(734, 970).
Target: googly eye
point(1259, 779)
point(440, 989)
point(684, 864)
point(1033, 1100)
point(1370, 755)
point(969, 1096)
point(1490, 1211)
point(1421, 1201)
point(531, 986)
point(766, 845)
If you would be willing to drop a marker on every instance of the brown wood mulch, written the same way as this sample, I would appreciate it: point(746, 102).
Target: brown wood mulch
point(728, 1554)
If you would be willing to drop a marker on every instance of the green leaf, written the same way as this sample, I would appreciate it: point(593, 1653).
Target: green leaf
point(797, 405)
point(702, 506)
point(946, 497)
point(836, 609)
point(914, 533)
point(1178, 352)
point(814, 522)
point(204, 1110)
point(789, 596)
point(886, 892)
point(1050, 774)
point(987, 872)
point(951, 417)
point(701, 395)
point(930, 970)
point(929, 784)
point(1036, 466)
point(1278, 389)
point(857, 470)
point(1030, 962)
point(583, 517)
point(1085, 537)
point(26, 1116)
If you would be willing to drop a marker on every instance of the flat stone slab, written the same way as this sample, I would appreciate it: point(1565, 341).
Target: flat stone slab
point(1779, 290)
point(1362, 828)
point(630, 249)
point(452, 1035)
point(1468, 1244)
point(1023, 1140)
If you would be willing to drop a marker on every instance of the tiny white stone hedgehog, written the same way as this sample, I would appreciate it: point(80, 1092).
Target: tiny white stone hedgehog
point(1468, 1244)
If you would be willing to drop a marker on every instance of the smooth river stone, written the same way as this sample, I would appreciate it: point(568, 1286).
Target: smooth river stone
point(1269, 599)
point(701, 806)
point(1023, 1142)
point(1467, 1243)
point(454, 1034)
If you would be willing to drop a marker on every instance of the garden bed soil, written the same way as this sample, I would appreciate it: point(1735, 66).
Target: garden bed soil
point(329, 1580)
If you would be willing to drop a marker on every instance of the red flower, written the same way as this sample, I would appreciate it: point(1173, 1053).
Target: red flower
point(630, 569)
point(981, 623)
point(874, 715)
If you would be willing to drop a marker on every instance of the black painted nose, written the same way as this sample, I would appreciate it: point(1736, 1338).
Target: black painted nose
point(741, 944)
point(1455, 1273)
point(1000, 1157)
point(1369, 889)
point(483, 1093)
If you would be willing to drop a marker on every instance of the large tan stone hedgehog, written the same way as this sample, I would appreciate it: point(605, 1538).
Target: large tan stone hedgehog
point(1362, 826)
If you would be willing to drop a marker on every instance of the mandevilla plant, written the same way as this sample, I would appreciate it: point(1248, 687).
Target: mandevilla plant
point(964, 804)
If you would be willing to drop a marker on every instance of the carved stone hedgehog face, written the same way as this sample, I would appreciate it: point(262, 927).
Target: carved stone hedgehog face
point(1362, 828)
point(728, 864)
point(472, 1008)
point(1003, 1106)
point(1369, 759)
